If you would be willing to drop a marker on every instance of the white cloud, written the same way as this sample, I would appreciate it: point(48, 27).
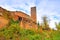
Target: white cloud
point(8, 7)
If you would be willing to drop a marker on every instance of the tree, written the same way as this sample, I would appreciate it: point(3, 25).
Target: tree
point(58, 25)
point(38, 24)
point(45, 23)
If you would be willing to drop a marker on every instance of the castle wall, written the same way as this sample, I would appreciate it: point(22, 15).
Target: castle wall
point(3, 22)
point(26, 21)
point(28, 24)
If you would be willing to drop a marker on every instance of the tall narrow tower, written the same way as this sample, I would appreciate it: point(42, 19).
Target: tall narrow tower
point(33, 13)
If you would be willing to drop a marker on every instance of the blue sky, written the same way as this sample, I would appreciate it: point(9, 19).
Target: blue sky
point(50, 8)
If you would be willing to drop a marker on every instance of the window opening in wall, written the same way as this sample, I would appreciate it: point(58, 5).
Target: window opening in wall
point(19, 18)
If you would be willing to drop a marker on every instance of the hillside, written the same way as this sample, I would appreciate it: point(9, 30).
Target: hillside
point(14, 32)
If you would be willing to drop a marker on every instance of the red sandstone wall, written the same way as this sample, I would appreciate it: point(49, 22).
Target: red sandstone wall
point(21, 14)
point(26, 21)
point(3, 22)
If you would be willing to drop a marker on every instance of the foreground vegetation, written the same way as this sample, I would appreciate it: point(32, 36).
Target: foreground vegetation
point(14, 32)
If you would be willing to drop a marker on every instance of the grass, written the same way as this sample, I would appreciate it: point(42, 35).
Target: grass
point(14, 32)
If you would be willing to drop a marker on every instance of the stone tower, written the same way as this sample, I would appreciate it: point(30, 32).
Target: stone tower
point(33, 13)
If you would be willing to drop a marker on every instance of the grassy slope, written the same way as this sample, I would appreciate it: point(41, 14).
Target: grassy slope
point(14, 32)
